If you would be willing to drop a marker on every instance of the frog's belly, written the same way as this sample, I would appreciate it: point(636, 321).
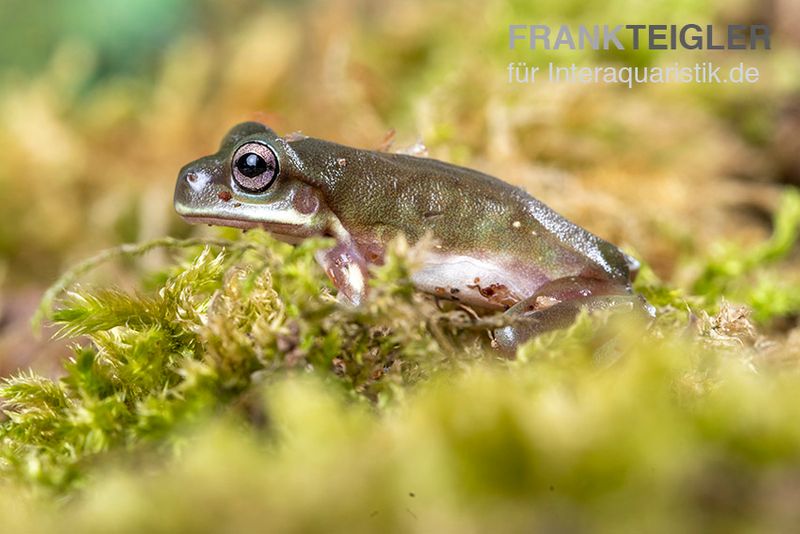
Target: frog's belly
point(478, 282)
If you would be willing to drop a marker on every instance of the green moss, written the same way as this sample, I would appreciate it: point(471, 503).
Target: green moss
point(666, 436)
point(237, 393)
point(742, 273)
point(220, 324)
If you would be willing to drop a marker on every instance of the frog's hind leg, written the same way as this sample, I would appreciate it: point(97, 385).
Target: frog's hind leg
point(557, 303)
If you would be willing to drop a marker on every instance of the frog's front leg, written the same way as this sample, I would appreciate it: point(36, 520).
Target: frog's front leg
point(557, 303)
point(347, 270)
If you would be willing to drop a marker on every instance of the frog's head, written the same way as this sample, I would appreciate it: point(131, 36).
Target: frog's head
point(252, 181)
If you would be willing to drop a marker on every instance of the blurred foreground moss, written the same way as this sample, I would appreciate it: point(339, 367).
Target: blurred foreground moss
point(237, 395)
point(664, 437)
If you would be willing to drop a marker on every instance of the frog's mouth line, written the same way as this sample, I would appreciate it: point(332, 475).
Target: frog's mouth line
point(221, 221)
point(282, 232)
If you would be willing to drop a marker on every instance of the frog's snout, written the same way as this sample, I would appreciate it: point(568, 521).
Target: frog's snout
point(188, 188)
point(195, 188)
point(193, 178)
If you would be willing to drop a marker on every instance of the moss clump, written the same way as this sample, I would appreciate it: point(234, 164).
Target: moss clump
point(742, 273)
point(220, 324)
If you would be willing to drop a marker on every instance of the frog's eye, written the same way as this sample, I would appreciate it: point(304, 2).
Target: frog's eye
point(255, 167)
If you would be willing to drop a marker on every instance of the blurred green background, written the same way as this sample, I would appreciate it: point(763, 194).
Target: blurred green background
point(102, 101)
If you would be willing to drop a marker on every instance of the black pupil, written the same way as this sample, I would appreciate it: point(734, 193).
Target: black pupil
point(251, 165)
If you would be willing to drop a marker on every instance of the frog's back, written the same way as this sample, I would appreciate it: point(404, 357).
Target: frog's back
point(467, 212)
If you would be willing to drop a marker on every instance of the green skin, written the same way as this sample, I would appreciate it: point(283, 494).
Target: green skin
point(492, 245)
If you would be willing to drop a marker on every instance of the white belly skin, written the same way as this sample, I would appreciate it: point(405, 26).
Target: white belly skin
point(484, 283)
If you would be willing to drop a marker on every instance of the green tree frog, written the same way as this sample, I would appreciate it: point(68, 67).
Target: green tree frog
point(493, 245)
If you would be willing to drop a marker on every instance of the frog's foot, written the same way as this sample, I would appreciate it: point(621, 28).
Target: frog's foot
point(347, 270)
point(556, 305)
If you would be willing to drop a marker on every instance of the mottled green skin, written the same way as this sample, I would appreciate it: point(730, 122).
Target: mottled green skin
point(467, 212)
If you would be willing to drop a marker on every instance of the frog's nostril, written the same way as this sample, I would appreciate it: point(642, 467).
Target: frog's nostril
point(194, 179)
